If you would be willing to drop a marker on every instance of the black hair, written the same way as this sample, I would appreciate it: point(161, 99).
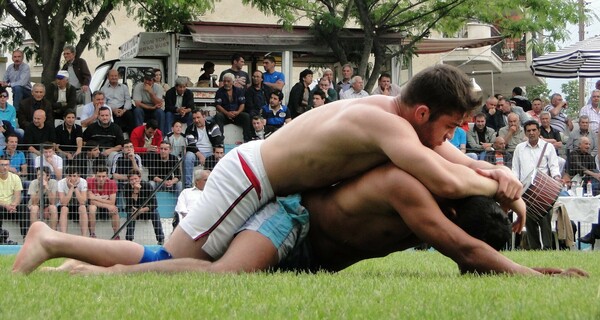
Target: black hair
point(482, 218)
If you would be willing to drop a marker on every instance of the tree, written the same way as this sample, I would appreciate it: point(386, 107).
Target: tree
point(540, 91)
point(53, 23)
point(570, 92)
point(416, 19)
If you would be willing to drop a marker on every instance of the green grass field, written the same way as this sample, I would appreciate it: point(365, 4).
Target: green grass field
point(412, 284)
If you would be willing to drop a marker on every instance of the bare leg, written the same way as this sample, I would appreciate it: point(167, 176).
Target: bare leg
point(92, 215)
point(181, 245)
point(65, 267)
point(64, 218)
point(43, 244)
point(34, 213)
point(53, 216)
point(83, 221)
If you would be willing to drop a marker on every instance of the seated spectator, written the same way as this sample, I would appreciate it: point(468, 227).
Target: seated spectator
point(213, 159)
point(50, 160)
point(10, 197)
point(206, 78)
point(6, 129)
point(69, 136)
point(536, 109)
point(201, 136)
point(356, 89)
point(459, 140)
point(520, 100)
point(118, 100)
point(50, 187)
point(328, 74)
point(61, 95)
point(318, 98)
point(146, 138)
point(230, 103)
point(583, 164)
point(329, 94)
point(261, 132)
point(102, 197)
point(176, 139)
point(148, 100)
point(179, 102)
point(91, 111)
point(18, 163)
point(36, 102)
point(158, 79)
point(18, 77)
point(548, 133)
point(108, 135)
point(584, 131)
point(276, 114)
point(124, 162)
point(499, 155)
point(188, 198)
point(9, 113)
point(87, 161)
point(504, 108)
point(512, 133)
point(386, 87)
point(38, 132)
point(136, 192)
point(160, 166)
point(257, 95)
point(72, 193)
point(299, 99)
point(345, 83)
point(480, 138)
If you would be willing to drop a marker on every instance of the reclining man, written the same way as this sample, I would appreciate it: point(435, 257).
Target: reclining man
point(358, 219)
point(408, 128)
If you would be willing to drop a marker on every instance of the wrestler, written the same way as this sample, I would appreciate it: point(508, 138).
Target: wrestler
point(383, 211)
point(347, 142)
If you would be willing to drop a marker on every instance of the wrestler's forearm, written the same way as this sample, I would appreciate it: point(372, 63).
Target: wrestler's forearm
point(485, 260)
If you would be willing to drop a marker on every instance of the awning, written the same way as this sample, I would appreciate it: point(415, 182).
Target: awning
point(581, 59)
point(426, 46)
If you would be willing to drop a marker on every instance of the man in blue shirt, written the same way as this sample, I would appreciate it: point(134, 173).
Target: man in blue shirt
point(275, 113)
point(273, 79)
point(17, 77)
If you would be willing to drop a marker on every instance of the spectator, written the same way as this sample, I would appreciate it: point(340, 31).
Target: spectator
point(72, 193)
point(345, 84)
point(576, 135)
point(146, 138)
point(148, 100)
point(459, 140)
point(61, 95)
point(275, 113)
point(124, 162)
point(300, 94)
point(206, 78)
point(17, 76)
point(591, 109)
point(158, 79)
point(257, 95)
point(49, 187)
point(136, 192)
point(18, 163)
point(87, 161)
point(536, 109)
point(102, 196)
point(489, 109)
point(39, 131)
point(328, 74)
point(213, 159)
point(386, 87)
point(176, 139)
point(273, 79)
point(91, 111)
point(505, 108)
point(559, 121)
point(356, 90)
point(33, 103)
point(241, 78)
point(230, 102)
point(8, 113)
point(325, 87)
point(108, 135)
point(10, 197)
point(179, 102)
point(520, 100)
point(583, 164)
point(548, 133)
point(119, 100)
point(201, 137)
point(6, 129)
point(512, 133)
point(261, 131)
point(160, 166)
point(188, 198)
point(480, 138)
point(69, 136)
point(499, 155)
point(50, 160)
point(318, 98)
point(79, 74)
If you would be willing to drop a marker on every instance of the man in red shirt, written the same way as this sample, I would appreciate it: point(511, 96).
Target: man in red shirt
point(102, 196)
point(146, 138)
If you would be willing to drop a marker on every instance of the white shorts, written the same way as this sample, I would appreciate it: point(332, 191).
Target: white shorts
point(235, 190)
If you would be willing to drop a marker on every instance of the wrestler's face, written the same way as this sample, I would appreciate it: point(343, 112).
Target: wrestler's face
point(434, 133)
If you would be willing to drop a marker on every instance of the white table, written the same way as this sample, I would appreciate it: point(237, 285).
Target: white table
point(582, 209)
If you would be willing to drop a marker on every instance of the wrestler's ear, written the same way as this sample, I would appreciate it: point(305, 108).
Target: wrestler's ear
point(422, 113)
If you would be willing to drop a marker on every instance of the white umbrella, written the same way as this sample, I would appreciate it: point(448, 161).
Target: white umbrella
point(581, 59)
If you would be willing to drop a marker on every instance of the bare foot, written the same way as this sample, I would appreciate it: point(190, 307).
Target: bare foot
point(67, 266)
point(89, 269)
point(33, 253)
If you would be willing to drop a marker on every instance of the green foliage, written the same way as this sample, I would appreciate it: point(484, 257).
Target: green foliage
point(540, 91)
point(570, 92)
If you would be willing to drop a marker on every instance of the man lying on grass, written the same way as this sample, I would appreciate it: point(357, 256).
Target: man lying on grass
point(380, 212)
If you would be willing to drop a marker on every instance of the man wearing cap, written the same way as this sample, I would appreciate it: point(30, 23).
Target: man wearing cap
point(61, 95)
point(79, 74)
point(17, 77)
point(147, 97)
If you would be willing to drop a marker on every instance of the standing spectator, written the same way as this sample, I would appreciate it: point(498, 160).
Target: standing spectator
point(356, 89)
point(520, 100)
point(87, 161)
point(202, 136)
point(160, 166)
point(17, 77)
point(459, 140)
point(38, 132)
point(176, 139)
point(72, 193)
point(102, 197)
point(241, 78)
point(591, 109)
point(124, 162)
point(230, 102)
point(32, 104)
point(69, 136)
point(8, 113)
point(536, 109)
point(18, 163)
point(213, 159)
point(179, 102)
point(576, 135)
point(257, 95)
point(119, 100)
point(50, 187)
point(559, 121)
point(10, 197)
point(318, 98)
point(91, 111)
point(512, 133)
point(276, 114)
point(206, 78)
point(345, 84)
point(50, 160)
point(79, 74)
point(261, 132)
point(146, 138)
point(136, 192)
point(148, 100)
point(386, 87)
point(188, 198)
point(525, 159)
point(480, 138)
point(108, 135)
point(299, 99)
point(61, 94)
point(273, 79)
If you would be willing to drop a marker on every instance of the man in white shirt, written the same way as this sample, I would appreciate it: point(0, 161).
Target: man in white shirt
point(356, 89)
point(119, 100)
point(91, 111)
point(189, 196)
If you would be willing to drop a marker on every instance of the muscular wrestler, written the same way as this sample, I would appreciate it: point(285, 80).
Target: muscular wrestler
point(383, 211)
point(352, 137)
